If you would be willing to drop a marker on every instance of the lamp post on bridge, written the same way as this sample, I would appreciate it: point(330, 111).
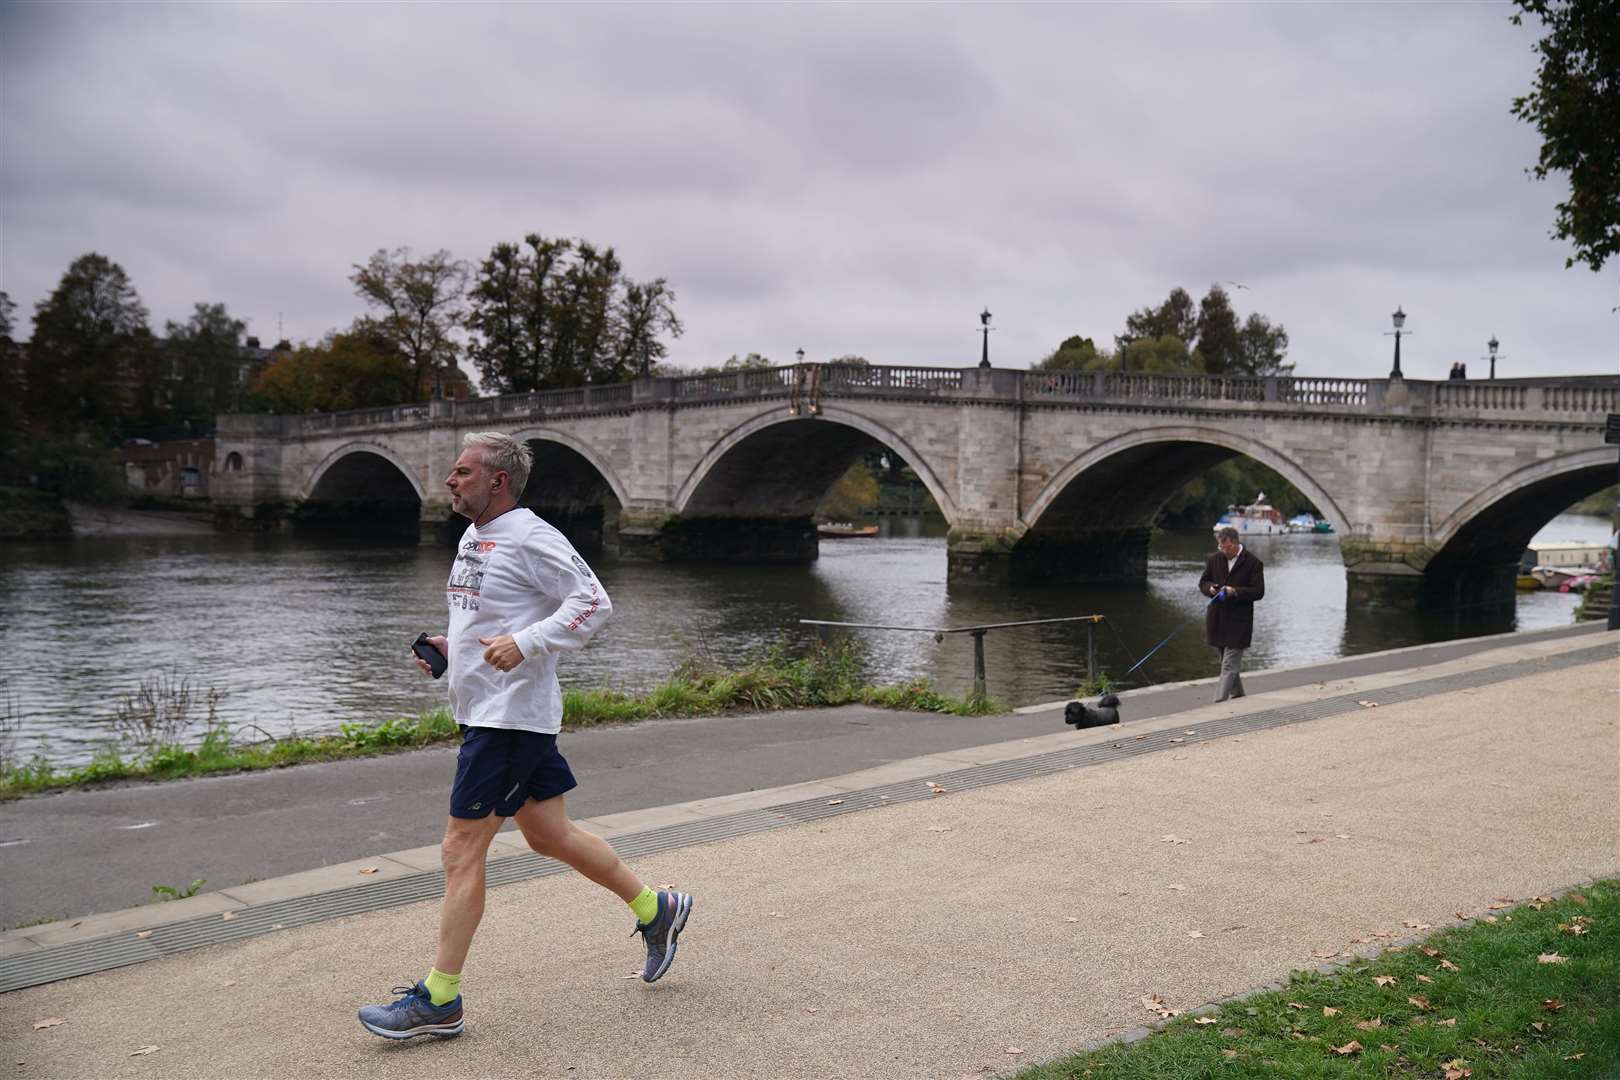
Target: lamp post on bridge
point(1400, 321)
point(984, 320)
point(1493, 345)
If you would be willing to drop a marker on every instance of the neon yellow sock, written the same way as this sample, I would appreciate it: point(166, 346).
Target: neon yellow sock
point(442, 988)
point(645, 906)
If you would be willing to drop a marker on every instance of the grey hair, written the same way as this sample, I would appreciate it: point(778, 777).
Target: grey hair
point(502, 452)
point(1227, 533)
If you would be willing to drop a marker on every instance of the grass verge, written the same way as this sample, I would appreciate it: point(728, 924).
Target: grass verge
point(1531, 992)
point(774, 680)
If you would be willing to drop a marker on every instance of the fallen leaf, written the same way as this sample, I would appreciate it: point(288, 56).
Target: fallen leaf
point(1341, 836)
point(1572, 928)
point(1384, 980)
point(370, 869)
point(1015, 1050)
point(1390, 1049)
point(809, 1008)
point(1195, 933)
point(1070, 918)
point(1420, 1002)
point(1368, 704)
point(1459, 1074)
point(1552, 1005)
point(835, 802)
point(227, 915)
point(1413, 924)
point(1205, 1020)
point(1328, 1010)
point(1424, 979)
point(1430, 951)
point(1578, 898)
point(1551, 958)
point(1171, 838)
point(1498, 906)
point(50, 1022)
point(1446, 1023)
point(1538, 1025)
point(1178, 740)
point(143, 933)
point(1489, 919)
point(142, 1051)
point(1155, 1004)
point(1177, 888)
point(1320, 955)
point(228, 982)
point(1230, 1053)
point(1448, 965)
point(1351, 1047)
point(1370, 1025)
point(937, 790)
point(1295, 1005)
point(1139, 738)
point(939, 828)
point(1575, 1057)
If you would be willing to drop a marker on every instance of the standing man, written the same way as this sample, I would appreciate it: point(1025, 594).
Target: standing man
point(518, 594)
point(1234, 578)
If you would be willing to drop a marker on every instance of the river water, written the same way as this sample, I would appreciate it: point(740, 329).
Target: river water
point(302, 634)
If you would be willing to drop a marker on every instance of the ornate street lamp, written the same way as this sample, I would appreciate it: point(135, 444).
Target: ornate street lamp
point(1400, 322)
point(800, 354)
point(984, 320)
point(1493, 345)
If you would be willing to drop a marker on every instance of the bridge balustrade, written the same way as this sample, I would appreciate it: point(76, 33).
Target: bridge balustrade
point(1576, 396)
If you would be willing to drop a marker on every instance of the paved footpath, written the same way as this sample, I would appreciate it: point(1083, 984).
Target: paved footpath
point(1198, 856)
point(232, 830)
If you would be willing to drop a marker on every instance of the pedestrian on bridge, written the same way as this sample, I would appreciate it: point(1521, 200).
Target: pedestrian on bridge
point(519, 594)
point(1234, 579)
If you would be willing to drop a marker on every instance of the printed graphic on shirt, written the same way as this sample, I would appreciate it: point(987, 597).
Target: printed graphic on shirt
point(596, 602)
point(579, 564)
point(467, 575)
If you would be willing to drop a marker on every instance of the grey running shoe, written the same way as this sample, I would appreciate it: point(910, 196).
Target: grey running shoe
point(660, 934)
point(413, 1014)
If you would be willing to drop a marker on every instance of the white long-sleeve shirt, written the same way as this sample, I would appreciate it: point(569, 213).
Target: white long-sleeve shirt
point(517, 575)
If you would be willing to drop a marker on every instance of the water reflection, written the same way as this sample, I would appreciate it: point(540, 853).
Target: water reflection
point(307, 634)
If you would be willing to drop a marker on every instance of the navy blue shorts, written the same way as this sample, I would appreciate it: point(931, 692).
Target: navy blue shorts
point(499, 770)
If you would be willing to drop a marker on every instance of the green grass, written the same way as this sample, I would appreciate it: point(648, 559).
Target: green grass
point(1489, 1009)
point(773, 680)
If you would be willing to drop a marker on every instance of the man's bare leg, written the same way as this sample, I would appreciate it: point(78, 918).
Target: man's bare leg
point(466, 845)
point(549, 832)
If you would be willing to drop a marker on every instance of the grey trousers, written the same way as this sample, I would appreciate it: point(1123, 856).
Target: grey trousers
point(1231, 684)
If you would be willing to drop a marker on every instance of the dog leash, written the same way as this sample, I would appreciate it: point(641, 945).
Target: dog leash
point(1166, 640)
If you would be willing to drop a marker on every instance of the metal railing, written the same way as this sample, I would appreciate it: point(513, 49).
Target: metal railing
point(978, 633)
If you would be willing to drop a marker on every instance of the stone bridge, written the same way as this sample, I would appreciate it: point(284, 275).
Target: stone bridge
point(1435, 488)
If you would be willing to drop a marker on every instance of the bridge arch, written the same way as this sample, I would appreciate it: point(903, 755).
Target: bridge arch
point(836, 433)
point(1187, 450)
point(592, 456)
point(573, 486)
point(332, 469)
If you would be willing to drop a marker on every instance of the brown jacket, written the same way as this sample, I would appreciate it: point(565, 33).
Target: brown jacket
point(1229, 623)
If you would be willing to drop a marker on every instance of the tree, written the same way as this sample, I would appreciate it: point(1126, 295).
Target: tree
point(89, 360)
point(353, 370)
point(12, 388)
point(646, 312)
point(1218, 346)
point(1173, 318)
point(1076, 353)
point(206, 351)
point(420, 301)
point(1575, 106)
point(557, 313)
point(1261, 347)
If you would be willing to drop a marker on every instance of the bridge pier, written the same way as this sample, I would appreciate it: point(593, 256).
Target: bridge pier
point(1409, 576)
point(1071, 557)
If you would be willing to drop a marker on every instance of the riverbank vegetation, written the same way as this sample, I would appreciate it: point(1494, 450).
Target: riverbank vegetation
point(154, 727)
point(1527, 991)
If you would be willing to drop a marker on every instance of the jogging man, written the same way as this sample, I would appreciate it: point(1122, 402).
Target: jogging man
point(518, 594)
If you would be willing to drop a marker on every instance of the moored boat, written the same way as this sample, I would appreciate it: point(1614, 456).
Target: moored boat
point(1258, 518)
point(843, 530)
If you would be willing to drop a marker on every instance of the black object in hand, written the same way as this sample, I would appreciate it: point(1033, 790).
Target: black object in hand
point(429, 654)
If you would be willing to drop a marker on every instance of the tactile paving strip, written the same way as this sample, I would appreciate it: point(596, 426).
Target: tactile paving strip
point(120, 950)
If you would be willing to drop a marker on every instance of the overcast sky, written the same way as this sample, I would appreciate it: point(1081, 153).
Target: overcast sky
point(849, 179)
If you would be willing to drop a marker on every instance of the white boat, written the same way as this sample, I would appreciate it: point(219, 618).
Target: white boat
point(1258, 518)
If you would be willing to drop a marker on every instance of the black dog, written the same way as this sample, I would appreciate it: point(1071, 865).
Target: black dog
point(1105, 712)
